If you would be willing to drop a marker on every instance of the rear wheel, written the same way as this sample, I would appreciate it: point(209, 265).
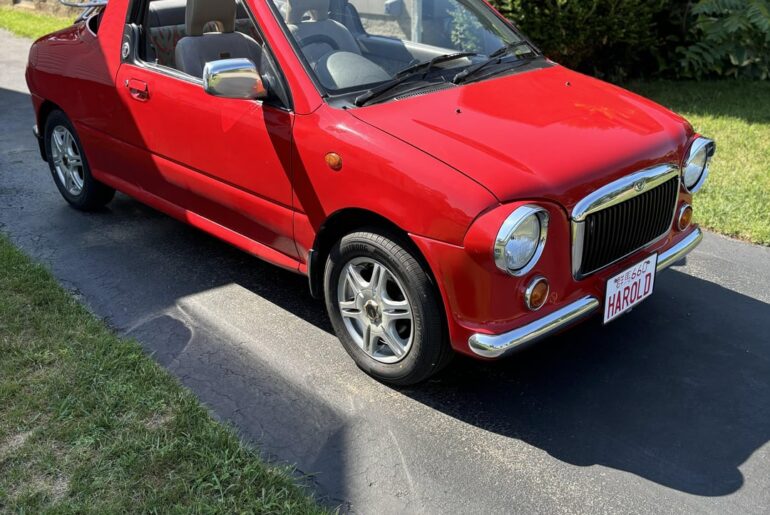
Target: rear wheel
point(385, 309)
point(69, 166)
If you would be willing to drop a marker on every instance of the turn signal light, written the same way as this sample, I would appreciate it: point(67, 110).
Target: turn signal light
point(536, 294)
point(685, 217)
point(334, 161)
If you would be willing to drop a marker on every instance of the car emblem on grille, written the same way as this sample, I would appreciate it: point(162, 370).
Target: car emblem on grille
point(639, 186)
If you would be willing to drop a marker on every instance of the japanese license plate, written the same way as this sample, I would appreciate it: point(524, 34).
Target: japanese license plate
point(629, 288)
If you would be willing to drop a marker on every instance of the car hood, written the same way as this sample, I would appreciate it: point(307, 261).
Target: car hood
point(549, 133)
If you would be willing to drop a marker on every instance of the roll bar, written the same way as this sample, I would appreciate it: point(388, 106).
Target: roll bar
point(84, 4)
point(88, 6)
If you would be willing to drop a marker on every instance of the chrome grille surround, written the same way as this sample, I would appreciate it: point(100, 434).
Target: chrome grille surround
point(613, 194)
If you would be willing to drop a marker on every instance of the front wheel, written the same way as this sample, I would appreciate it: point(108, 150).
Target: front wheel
point(385, 309)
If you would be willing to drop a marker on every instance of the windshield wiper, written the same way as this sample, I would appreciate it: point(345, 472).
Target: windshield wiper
point(407, 73)
point(495, 57)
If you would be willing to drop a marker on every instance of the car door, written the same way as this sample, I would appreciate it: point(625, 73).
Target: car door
point(226, 160)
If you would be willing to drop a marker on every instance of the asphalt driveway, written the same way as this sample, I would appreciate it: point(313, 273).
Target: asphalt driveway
point(667, 409)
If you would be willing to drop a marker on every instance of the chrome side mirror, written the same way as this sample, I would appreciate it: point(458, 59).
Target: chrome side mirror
point(233, 78)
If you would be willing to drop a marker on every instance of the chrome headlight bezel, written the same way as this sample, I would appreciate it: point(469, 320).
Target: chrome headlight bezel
point(699, 147)
point(513, 222)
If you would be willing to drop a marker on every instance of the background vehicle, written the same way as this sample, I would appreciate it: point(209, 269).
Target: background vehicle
point(443, 185)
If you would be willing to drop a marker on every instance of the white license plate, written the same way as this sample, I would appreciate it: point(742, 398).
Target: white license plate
point(629, 288)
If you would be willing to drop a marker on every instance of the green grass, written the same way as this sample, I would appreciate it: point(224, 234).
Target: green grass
point(736, 198)
point(30, 24)
point(89, 424)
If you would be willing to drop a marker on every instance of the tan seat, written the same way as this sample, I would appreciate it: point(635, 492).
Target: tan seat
point(199, 47)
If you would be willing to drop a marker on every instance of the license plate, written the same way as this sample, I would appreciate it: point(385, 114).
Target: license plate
point(629, 288)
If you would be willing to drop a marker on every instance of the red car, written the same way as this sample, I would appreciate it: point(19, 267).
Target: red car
point(443, 185)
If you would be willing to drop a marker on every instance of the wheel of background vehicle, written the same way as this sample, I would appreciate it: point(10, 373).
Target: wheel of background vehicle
point(385, 308)
point(69, 166)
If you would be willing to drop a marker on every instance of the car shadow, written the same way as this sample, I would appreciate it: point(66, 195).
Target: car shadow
point(676, 392)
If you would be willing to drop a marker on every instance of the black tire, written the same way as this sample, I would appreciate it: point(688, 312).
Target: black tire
point(430, 350)
point(93, 194)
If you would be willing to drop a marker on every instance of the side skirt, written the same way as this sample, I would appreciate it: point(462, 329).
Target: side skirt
point(236, 239)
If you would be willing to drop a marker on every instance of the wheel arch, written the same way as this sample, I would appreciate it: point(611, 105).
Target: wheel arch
point(348, 220)
point(44, 111)
point(343, 222)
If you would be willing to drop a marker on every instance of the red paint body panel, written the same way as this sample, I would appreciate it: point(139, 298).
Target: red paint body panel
point(225, 159)
point(479, 298)
point(447, 167)
point(530, 135)
point(376, 177)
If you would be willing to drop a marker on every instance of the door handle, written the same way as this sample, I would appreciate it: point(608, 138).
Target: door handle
point(138, 90)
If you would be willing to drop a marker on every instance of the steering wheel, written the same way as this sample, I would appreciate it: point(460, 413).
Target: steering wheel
point(318, 39)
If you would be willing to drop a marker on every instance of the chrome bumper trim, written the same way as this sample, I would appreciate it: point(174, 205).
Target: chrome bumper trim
point(680, 250)
point(494, 346)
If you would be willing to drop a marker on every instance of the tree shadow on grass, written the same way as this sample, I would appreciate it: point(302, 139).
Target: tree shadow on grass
point(739, 99)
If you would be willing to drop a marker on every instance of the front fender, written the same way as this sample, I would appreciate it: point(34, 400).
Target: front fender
point(379, 174)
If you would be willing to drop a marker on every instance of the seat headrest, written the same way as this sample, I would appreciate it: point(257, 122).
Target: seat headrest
point(319, 9)
point(201, 12)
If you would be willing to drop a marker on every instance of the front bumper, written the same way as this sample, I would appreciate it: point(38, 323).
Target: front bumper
point(495, 346)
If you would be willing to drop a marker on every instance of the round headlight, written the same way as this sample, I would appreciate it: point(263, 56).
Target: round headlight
point(521, 239)
point(696, 165)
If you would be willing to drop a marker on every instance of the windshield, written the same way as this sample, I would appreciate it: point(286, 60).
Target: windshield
point(356, 45)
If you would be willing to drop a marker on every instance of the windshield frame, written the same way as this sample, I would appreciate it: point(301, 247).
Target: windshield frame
point(346, 95)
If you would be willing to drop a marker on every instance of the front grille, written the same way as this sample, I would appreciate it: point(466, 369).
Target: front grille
point(615, 232)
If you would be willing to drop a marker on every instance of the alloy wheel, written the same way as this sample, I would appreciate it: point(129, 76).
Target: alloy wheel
point(67, 160)
point(375, 310)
